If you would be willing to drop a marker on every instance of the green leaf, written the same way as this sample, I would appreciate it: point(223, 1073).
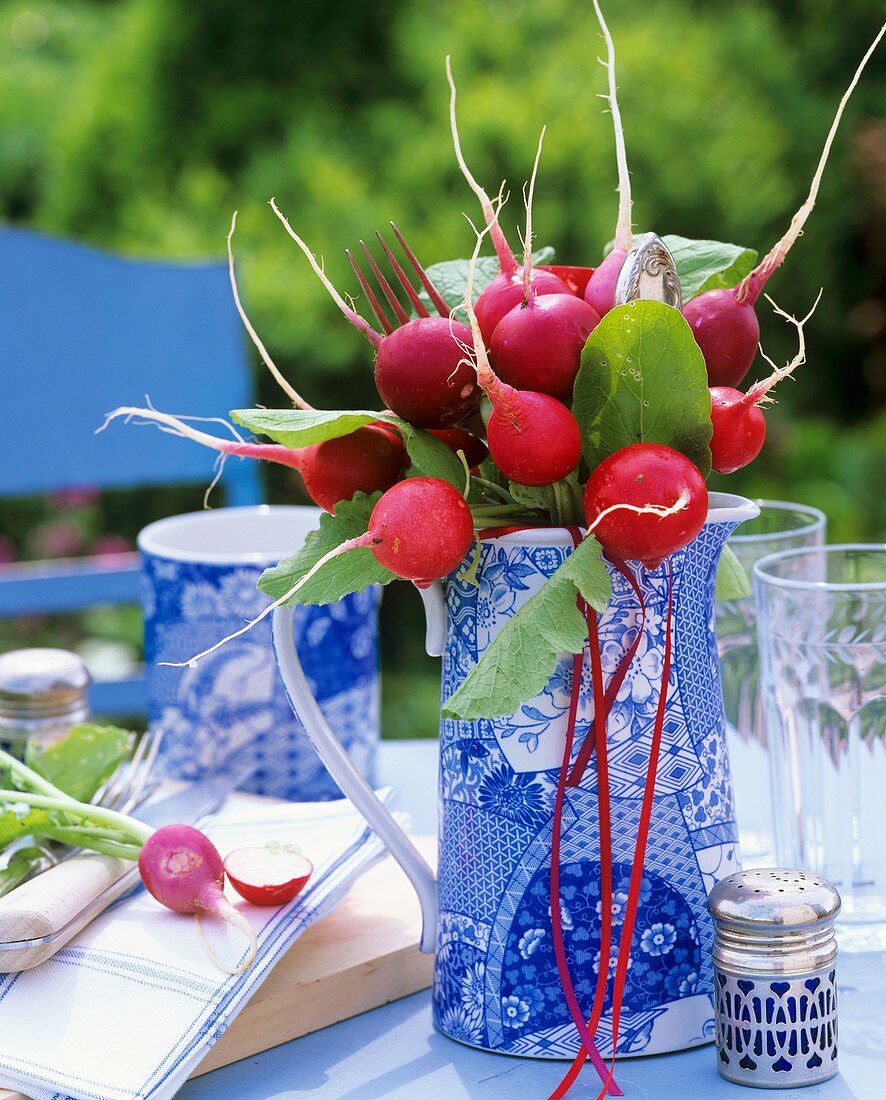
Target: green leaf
point(81, 761)
point(352, 572)
point(523, 655)
point(643, 379)
point(303, 427)
point(298, 428)
point(450, 277)
point(708, 265)
point(13, 826)
point(22, 865)
point(732, 579)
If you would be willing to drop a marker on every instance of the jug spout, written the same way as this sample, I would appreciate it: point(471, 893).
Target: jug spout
point(352, 783)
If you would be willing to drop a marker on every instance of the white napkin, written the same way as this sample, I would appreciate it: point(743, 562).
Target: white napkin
point(131, 1006)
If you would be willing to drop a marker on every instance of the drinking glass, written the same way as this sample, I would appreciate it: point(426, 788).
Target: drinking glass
point(781, 525)
point(822, 637)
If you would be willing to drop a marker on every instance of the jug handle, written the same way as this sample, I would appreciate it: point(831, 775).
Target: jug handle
point(352, 783)
point(435, 619)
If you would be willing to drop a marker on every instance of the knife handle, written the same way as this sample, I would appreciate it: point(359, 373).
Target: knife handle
point(55, 905)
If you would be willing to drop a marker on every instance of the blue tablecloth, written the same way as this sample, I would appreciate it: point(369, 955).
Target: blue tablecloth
point(393, 1053)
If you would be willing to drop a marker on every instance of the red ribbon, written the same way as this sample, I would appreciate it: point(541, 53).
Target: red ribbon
point(636, 879)
point(589, 1048)
point(584, 753)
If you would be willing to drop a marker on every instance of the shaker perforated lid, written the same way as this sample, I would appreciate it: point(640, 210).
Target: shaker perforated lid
point(771, 898)
point(38, 684)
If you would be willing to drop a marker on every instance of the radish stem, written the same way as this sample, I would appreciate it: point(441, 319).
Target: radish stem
point(284, 385)
point(128, 826)
point(623, 227)
point(506, 260)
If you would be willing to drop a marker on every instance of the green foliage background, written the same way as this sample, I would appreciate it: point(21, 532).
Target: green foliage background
point(139, 125)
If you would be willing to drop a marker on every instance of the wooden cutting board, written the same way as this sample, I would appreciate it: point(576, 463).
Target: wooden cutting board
point(364, 954)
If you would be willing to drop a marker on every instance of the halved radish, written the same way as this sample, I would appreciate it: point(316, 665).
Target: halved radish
point(271, 875)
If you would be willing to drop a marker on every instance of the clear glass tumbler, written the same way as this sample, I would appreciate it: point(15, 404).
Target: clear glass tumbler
point(780, 525)
point(822, 637)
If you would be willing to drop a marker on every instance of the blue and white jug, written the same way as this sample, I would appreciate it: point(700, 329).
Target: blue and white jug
point(488, 914)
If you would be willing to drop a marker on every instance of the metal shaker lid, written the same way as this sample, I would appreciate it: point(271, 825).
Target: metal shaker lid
point(649, 272)
point(42, 683)
point(773, 898)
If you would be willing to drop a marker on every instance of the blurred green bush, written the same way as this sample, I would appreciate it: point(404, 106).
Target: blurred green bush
point(140, 125)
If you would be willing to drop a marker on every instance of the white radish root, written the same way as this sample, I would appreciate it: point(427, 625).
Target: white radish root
point(506, 260)
point(758, 394)
point(352, 544)
point(359, 323)
point(281, 381)
point(753, 283)
point(528, 195)
point(623, 226)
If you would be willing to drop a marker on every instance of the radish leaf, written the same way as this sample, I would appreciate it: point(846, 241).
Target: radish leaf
point(523, 655)
point(80, 762)
point(643, 380)
point(305, 427)
point(732, 580)
point(351, 572)
point(708, 265)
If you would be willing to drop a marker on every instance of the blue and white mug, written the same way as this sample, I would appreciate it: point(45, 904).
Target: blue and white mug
point(199, 584)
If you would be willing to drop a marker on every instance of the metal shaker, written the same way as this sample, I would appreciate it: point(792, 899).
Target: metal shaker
point(43, 692)
point(775, 957)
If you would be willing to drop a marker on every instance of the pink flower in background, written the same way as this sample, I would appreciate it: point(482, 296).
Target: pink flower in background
point(7, 551)
point(57, 539)
point(76, 497)
point(107, 546)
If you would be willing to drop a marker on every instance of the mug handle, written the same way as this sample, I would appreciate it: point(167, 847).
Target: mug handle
point(342, 770)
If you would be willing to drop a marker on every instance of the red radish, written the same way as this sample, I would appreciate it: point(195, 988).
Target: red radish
point(575, 278)
point(537, 345)
point(600, 290)
point(739, 430)
point(457, 439)
point(505, 292)
point(421, 371)
point(368, 460)
point(507, 289)
point(181, 868)
point(532, 438)
point(727, 331)
point(420, 529)
point(739, 425)
point(644, 502)
point(423, 374)
point(723, 322)
point(272, 875)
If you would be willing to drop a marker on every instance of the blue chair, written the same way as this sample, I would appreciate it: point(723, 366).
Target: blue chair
point(82, 332)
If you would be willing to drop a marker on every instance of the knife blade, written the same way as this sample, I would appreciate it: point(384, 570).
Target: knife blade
point(44, 914)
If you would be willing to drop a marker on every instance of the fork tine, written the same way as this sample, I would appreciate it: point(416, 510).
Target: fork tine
point(123, 781)
point(402, 276)
point(434, 294)
point(370, 297)
point(142, 773)
point(394, 302)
